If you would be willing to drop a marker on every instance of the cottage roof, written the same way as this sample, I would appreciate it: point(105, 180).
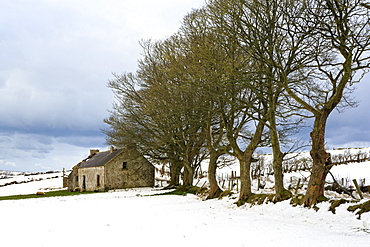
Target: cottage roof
point(99, 159)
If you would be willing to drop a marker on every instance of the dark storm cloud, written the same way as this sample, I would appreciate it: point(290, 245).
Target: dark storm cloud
point(351, 127)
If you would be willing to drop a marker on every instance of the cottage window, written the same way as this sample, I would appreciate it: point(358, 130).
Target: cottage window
point(76, 179)
point(124, 165)
point(98, 180)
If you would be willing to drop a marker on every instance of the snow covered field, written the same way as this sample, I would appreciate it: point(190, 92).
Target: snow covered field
point(29, 183)
point(131, 218)
point(121, 218)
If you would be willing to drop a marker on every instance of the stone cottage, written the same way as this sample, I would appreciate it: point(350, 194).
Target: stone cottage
point(113, 169)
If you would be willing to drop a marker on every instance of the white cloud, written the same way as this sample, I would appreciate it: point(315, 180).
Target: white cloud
point(7, 164)
point(11, 164)
point(39, 165)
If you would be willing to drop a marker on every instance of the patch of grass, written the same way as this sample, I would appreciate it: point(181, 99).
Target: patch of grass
point(183, 190)
point(47, 194)
point(285, 195)
point(297, 200)
point(335, 203)
point(256, 199)
point(174, 192)
point(225, 193)
point(322, 199)
point(362, 208)
point(240, 202)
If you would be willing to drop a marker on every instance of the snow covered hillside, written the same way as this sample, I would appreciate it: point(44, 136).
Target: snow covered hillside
point(130, 217)
point(343, 174)
point(17, 183)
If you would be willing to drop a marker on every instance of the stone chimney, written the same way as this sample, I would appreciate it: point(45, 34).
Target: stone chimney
point(93, 151)
point(112, 149)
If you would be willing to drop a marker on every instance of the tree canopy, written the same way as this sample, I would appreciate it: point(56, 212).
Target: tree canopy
point(238, 75)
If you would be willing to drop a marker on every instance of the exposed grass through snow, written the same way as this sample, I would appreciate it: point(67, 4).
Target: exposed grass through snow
point(47, 194)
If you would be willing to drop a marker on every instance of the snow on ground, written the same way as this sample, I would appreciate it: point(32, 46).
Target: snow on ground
point(28, 183)
point(352, 171)
point(130, 217)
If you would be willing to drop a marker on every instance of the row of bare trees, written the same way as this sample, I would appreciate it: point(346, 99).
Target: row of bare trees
point(238, 75)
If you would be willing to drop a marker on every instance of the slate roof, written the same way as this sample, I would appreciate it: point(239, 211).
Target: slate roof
point(99, 159)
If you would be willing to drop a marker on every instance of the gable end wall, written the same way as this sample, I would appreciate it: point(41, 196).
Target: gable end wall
point(139, 172)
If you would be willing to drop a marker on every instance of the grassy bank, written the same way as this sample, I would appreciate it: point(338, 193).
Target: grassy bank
point(46, 194)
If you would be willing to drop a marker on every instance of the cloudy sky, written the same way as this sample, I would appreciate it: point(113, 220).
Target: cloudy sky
point(56, 57)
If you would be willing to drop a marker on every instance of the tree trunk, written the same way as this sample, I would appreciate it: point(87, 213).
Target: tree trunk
point(188, 177)
point(278, 156)
point(245, 177)
point(277, 164)
point(321, 162)
point(214, 190)
point(245, 161)
point(175, 169)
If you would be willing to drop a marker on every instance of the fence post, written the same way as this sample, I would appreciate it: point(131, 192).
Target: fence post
point(358, 189)
point(297, 187)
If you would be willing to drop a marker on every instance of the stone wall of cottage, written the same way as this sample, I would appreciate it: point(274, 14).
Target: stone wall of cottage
point(128, 170)
point(72, 184)
point(91, 179)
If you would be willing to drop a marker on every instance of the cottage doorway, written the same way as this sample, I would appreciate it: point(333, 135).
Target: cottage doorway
point(83, 182)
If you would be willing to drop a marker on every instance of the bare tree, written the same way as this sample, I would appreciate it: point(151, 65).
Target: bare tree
point(161, 99)
point(205, 65)
point(340, 31)
point(312, 50)
point(259, 27)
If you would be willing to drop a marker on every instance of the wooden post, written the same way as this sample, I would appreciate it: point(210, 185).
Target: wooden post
point(203, 184)
point(65, 179)
point(297, 187)
point(358, 189)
